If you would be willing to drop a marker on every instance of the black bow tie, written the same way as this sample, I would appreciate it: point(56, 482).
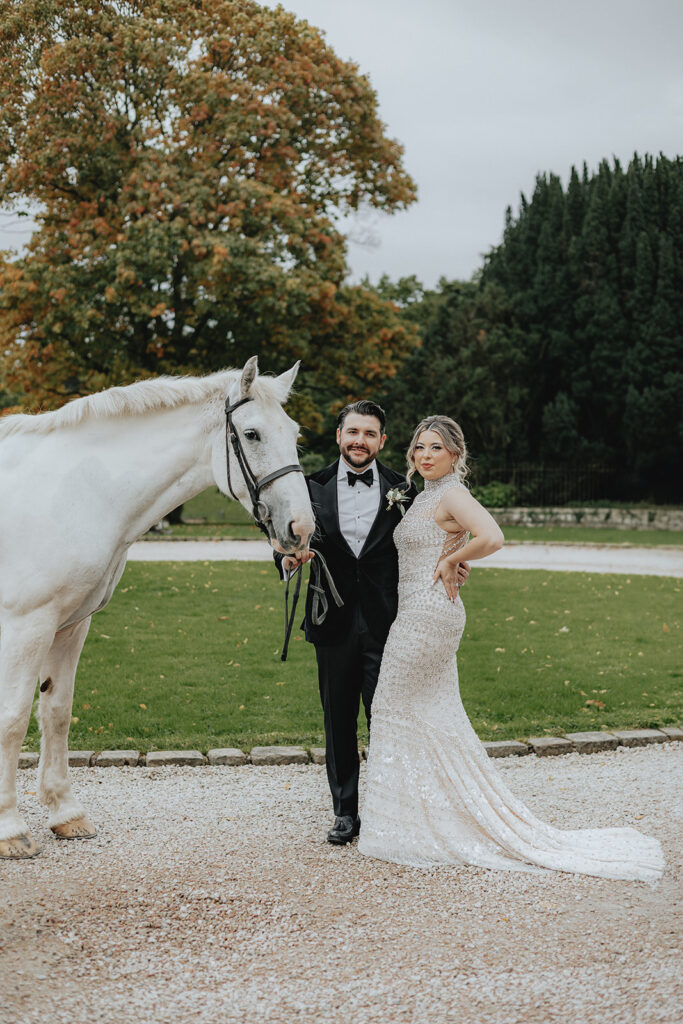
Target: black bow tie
point(353, 478)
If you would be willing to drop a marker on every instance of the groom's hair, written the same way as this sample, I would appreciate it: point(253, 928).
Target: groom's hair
point(363, 408)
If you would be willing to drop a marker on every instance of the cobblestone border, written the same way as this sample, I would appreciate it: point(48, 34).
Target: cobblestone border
point(542, 746)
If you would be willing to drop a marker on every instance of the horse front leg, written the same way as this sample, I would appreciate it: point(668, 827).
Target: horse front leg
point(67, 817)
point(24, 644)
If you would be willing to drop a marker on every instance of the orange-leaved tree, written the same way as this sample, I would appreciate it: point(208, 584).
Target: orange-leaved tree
point(188, 161)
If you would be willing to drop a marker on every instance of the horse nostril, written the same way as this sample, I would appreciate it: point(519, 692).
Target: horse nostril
point(296, 537)
point(298, 530)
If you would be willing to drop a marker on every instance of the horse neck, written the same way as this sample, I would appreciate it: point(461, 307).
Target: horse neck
point(163, 459)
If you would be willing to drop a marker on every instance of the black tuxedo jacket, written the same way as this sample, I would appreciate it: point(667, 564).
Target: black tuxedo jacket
point(371, 580)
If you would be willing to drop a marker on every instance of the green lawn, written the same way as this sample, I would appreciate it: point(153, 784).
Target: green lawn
point(214, 507)
point(202, 531)
point(223, 518)
point(187, 655)
point(594, 535)
point(528, 534)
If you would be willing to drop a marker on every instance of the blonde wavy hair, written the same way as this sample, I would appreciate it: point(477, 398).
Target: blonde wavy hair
point(452, 436)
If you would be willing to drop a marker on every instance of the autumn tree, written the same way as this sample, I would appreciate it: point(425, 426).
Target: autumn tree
point(189, 161)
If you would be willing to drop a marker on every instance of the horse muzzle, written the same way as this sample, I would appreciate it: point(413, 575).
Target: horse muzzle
point(294, 538)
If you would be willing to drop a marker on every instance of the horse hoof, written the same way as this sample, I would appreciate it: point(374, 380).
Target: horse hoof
point(79, 828)
point(18, 848)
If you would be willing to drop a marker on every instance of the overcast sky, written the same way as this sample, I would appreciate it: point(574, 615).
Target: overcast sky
point(484, 94)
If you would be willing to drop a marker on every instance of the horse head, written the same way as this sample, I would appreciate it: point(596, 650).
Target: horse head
point(267, 439)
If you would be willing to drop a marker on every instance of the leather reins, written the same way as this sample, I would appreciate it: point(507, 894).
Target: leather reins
point(261, 518)
point(319, 604)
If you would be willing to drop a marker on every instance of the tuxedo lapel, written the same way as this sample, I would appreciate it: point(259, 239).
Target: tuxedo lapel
point(384, 520)
point(326, 501)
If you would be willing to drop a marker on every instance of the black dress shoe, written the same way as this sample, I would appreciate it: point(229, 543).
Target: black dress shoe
point(345, 829)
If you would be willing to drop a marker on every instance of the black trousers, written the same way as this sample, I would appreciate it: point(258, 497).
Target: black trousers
point(347, 673)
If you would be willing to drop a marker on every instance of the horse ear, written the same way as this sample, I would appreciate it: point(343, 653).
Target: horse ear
point(286, 379)
point(249, 374)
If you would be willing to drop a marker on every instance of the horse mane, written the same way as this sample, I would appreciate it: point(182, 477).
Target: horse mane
point(135, 400)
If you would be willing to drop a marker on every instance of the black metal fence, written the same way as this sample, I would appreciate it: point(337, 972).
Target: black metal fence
point(529, 483)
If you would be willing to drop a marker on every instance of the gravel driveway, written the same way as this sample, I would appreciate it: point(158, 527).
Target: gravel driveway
point(649, 561)
point(210, 895)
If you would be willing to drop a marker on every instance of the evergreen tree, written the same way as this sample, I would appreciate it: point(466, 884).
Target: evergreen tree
point(468, 366)
point(566, 350)
point(593, 277)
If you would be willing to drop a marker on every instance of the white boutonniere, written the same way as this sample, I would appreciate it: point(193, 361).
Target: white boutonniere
point(396, 497)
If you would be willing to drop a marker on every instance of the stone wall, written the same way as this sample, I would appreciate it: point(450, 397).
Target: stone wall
point(616, 518)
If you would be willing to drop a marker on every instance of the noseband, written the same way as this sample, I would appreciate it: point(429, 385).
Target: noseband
point(255, 486)
point(259, 509)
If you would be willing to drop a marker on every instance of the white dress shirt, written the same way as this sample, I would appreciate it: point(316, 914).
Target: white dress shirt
point(357, 505)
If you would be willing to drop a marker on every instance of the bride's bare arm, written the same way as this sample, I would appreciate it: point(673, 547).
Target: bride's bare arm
point(457, 511)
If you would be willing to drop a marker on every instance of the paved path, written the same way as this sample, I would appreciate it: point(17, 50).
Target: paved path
point(652, 561)
point(210, 895)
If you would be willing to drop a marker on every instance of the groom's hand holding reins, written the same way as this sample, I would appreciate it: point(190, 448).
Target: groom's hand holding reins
point(292, 562)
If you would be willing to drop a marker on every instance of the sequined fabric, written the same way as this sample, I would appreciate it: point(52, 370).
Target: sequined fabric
point(433, 796)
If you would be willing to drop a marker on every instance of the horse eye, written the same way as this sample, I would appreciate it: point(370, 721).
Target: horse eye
point(252, 435)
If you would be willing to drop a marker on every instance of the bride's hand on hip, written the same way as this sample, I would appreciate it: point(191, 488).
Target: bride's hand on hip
point(452, 575)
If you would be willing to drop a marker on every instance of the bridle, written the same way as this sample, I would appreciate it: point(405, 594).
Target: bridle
point(259, 509)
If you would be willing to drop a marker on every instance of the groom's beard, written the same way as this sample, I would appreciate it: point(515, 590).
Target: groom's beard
point(357, 459)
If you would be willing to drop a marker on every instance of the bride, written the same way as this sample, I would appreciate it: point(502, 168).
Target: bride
point(433, 796)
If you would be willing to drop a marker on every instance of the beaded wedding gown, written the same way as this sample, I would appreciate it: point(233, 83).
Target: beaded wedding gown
point(432, 794)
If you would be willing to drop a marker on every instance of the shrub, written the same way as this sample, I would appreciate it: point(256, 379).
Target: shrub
point(496, 494)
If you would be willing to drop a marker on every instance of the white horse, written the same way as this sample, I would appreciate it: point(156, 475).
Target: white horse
point(77, 487)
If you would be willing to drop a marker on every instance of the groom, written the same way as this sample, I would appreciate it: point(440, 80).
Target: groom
point(355, 522)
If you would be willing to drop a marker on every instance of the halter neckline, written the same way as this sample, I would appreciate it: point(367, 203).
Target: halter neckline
point(436, 485)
